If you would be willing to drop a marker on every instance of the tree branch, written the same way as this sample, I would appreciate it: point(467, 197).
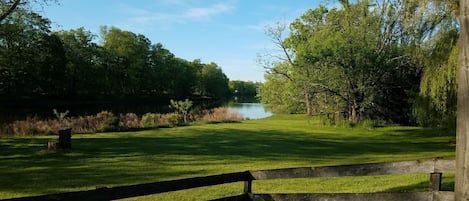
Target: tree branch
point(10, 10)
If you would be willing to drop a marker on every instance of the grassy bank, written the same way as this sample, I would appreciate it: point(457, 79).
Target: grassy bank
point(113, 159)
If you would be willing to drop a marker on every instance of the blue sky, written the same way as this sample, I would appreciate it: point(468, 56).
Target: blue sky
point(227, 32)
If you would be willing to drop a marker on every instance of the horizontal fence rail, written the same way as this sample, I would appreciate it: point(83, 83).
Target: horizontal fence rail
point(122, 192)
point(432, 166)
point(403, 167)
point(429, 196)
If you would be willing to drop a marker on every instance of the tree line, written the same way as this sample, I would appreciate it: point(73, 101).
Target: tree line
point(70, 64)
point(392, 60)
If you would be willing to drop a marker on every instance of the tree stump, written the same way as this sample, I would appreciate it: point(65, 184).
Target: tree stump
point(65, 138)
point(64, 142)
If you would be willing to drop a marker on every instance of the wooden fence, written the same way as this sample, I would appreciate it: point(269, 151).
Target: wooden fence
point(434, 167)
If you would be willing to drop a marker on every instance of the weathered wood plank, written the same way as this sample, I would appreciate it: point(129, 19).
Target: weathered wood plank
point(444, 165)
point(121, 192)
point(421, 196)
point(461, 186)
point(435, 181)
point(443, 196)
point(404, 167)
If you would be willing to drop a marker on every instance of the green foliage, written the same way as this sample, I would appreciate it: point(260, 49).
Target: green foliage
point(182, 108)
point(367, 124)
point(10, 7)
point(212, 81)
point(150, 120)
point(67, 64)
point(109, 122)
point(82, 63)
point(364, 59)
point(31, 60)
point(60, 115)
point(280, 94)
point(244, 88)
point(436, 105)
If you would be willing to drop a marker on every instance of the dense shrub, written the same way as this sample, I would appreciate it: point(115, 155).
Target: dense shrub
point(170, 120)
point(222, 114)
point(150, 120)
point(86, 124)
point(33, 126)
point(106, 121)
point(129, 121)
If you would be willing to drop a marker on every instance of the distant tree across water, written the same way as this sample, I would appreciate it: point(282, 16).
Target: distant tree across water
point(37, 62)
point(244, 88)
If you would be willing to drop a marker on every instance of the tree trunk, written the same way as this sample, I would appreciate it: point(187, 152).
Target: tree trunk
point(309, 104)
point(462, 131)
point(354, 113)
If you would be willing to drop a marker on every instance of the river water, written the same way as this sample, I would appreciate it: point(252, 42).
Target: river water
point(14, 112)
point(251, 110)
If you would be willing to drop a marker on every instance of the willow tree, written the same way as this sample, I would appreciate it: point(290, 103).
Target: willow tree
point(436, 104)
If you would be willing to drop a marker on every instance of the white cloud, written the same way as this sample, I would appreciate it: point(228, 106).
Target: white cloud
point(262, 26)
point(182, 14)
point(207, 12)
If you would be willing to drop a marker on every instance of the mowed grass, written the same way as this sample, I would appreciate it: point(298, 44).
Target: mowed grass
point(281, 141)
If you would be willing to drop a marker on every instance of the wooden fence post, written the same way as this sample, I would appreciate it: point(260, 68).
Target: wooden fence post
point(435, 181)
point(462, 131)
point(248, 187)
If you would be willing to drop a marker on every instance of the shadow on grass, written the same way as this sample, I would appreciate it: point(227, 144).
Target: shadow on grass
point(26, 167)
point(446, 185)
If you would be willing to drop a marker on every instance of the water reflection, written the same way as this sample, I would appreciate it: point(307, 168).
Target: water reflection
point(251, 110)
point(43, 110)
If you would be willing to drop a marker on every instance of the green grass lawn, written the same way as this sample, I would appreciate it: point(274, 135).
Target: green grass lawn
point(281, 141)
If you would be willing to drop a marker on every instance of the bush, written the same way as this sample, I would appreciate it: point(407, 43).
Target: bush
point(169, 120)
point(86, 124)
point(150, 120)
point(222, 114)
point(182, 109)
point(108, 122)
point(129, 121)
point(33, 126)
